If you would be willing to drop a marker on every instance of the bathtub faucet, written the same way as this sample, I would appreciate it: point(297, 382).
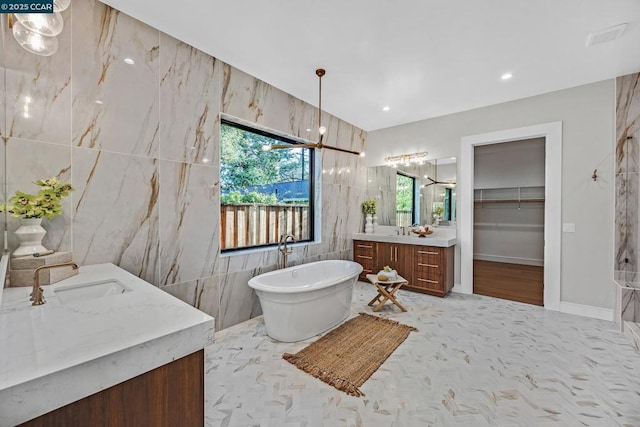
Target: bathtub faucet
point(284, 250)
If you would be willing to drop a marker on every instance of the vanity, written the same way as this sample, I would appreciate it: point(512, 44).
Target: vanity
point(107, 348)
point(425, 262)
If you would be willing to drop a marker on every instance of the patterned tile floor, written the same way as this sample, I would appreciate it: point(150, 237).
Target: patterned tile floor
point(475, 361)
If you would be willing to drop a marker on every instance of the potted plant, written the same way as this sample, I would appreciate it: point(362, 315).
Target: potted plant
point(437, 214)
point(31, 209)
point(369, 209)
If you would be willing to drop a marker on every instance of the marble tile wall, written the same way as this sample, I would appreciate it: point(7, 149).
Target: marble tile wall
point(627, 199)
point(140, 144)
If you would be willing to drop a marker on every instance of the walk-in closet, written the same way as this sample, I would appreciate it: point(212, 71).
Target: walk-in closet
point(508, 234)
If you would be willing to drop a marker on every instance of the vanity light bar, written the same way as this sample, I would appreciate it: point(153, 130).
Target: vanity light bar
point(405, 159)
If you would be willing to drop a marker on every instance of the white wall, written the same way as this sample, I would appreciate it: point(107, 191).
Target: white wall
point(587, 113)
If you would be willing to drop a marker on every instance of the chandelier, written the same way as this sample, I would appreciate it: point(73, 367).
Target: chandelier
point(36, 32)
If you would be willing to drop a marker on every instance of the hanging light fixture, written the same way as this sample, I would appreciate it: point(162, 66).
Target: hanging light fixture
point(36, 32)
point(406, 159)
point(320, 72)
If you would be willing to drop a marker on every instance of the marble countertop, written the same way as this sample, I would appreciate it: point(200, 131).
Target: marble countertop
point(55, 354)
point(442, 237)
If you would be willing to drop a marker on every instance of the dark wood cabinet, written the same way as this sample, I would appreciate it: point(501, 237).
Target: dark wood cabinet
point(171, 395)
point(396, 256)
point(428, 269)
point(364, 253)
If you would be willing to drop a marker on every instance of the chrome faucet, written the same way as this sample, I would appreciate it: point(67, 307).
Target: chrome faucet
point(37, 294)
point(284, 250)
point(404, 230)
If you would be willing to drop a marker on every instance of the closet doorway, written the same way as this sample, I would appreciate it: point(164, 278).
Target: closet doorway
point(552, 134)
point(508, 226)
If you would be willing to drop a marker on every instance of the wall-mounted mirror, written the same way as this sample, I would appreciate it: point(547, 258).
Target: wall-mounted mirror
point(414, 193)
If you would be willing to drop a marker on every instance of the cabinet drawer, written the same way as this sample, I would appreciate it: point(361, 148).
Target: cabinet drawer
point(427, 251)
point(427, 281)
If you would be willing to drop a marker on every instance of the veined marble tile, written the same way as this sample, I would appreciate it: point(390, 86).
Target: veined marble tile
point(238, 302)
point(250, 99)
point(38, 90)
point(189, 229)
point(209, 297)
point(116, 211)
point(632, 331)
point(627, 123)
point(246, 261)
point(627, 206)
point(190, 92)
point(115, 104)
point(31, 161)
point(202, 294)
point(341, 209)
point(630, 305)
point(541, 368)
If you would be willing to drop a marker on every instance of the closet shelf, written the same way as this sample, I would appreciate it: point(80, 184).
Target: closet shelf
point(509, 201)
point(506, 195)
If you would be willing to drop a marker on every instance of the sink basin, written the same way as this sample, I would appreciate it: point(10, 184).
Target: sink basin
point(89, 291)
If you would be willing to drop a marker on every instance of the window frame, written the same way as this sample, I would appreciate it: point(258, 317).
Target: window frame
point(312, 182)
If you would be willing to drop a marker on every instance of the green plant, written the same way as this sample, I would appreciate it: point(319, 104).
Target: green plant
point(387, 269)
point(438, 210)
point(45, 204)
point(369, 206)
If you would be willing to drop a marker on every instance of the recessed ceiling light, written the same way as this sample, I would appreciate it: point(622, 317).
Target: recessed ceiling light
point(308, 130)
point(205, 160)
point(386, 108)
point(129, 61)
point(506, 76)
point(99, 102)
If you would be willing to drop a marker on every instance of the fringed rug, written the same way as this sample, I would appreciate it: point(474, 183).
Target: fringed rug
point(347, 356)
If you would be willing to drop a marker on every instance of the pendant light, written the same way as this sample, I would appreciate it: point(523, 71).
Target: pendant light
point(320, 72)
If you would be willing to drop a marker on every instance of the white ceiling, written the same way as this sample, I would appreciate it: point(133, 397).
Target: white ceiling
point(422, 58)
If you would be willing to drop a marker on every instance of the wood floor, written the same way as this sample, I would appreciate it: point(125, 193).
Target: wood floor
point(515, 282)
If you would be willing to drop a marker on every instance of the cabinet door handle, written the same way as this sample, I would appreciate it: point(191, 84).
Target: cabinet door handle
point(391, 253)
point(428, 265)
point(429, 253)
point(365, 246)
point(396, 248)
point(427, 280)
point(365, 257)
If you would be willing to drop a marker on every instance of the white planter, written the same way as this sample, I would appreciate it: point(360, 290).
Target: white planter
point(30, 234)
point(368, 225)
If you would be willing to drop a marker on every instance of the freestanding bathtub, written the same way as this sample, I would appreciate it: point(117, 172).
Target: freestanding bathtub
point(306, 300)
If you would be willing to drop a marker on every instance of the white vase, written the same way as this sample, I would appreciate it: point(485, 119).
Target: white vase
point(368, 224)
point(375, 223)
point(30, 234)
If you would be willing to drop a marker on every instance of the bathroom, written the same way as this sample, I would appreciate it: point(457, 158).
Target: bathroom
point(139, 142)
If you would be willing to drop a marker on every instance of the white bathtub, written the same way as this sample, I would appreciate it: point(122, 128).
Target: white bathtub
point(306, 300)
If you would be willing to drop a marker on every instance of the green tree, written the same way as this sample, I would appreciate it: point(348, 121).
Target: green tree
point(243, 162)
point(404, 192)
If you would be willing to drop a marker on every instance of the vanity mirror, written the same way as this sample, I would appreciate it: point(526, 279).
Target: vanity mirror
point(412, 193)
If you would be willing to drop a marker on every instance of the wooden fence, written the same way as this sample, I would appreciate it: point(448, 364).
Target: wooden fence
point(404, 218)
point(243, 225)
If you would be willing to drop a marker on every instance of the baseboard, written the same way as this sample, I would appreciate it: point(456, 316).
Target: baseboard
point(586, 311)
point(509, 260)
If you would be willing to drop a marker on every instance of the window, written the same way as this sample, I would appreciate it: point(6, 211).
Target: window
point(405, 200)
point(264, 194)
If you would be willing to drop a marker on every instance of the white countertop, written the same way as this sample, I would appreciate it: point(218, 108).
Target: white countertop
point(55, 354)
point(442, 237)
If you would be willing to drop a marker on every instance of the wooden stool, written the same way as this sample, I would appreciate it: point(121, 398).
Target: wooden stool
point(386, 291)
